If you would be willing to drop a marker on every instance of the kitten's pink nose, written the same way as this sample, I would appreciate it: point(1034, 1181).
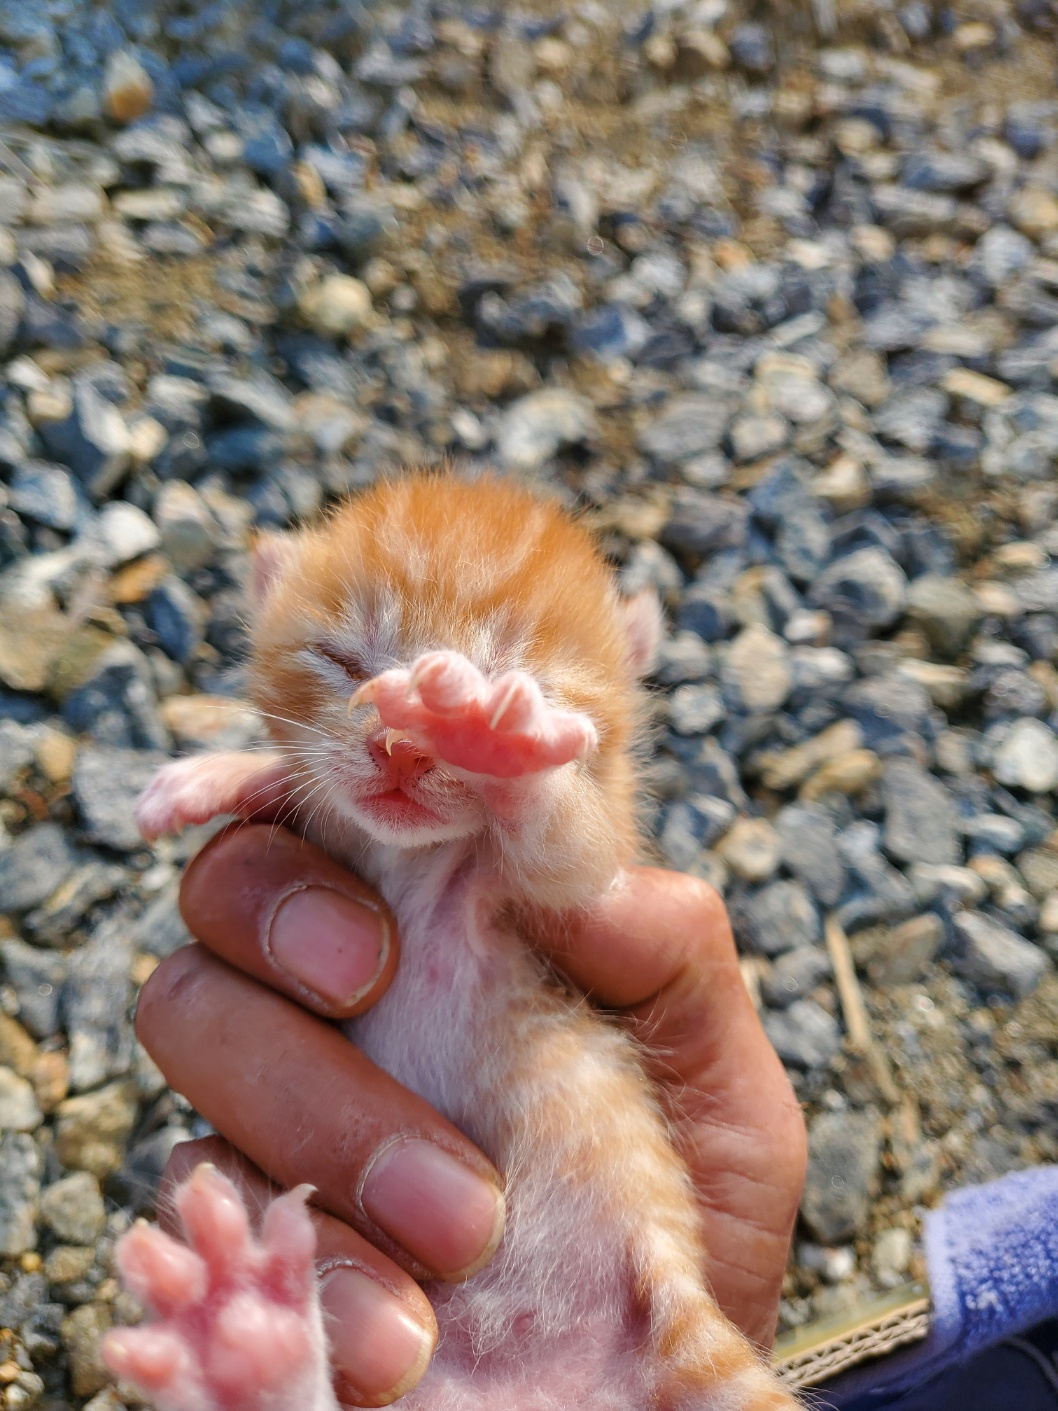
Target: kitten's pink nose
point(402, 762)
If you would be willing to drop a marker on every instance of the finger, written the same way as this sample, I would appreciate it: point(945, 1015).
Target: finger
point(381, 1329)
point(306, 1106)
point(279, 909)
point(659, 947)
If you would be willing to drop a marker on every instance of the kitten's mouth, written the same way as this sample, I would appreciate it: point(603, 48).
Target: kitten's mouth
point(397, 808)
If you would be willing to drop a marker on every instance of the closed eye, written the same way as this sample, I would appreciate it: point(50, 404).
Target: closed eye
point(348, 662)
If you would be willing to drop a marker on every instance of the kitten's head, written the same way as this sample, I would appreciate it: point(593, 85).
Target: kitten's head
point(424, 563)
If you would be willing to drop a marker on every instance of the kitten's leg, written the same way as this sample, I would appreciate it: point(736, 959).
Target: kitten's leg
point(503, 728)
point(197, 789)
point(237, 1323)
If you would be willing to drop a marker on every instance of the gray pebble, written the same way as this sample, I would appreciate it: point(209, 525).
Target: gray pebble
point(35, 864)
point(778, 917)
point(996, 958)
point(809, 849)
point(21, 1167)
point(843, 1153)
point(919, 815)
point(804, 1035)
point(73, 1209)
point(106, 784)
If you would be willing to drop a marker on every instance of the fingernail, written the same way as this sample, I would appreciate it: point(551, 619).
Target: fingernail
point(334, 946)
point(442, 1212)
point(377, 1347)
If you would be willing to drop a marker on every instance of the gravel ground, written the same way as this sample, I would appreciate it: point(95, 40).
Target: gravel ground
point(777, 315)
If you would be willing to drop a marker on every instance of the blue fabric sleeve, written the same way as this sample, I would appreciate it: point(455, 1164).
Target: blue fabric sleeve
point(992, 1257)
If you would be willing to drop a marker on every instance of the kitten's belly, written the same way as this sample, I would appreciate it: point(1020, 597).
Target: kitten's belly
point(467, 1027)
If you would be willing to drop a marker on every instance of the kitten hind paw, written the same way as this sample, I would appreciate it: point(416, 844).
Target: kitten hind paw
point(503, 728)
point(236, 1320)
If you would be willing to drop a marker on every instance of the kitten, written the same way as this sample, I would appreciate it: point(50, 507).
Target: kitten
point(450, 677)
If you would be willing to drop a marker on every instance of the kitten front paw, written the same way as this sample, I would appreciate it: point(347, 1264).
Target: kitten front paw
point(503, 728)
point(194, 790)
point(236, 1320)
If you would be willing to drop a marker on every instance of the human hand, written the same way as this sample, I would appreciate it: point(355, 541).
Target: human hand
point(401, 1194)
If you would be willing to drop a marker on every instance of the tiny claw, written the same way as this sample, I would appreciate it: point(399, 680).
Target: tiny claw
point(502, 708)
point(362, 694)
point(394, 737)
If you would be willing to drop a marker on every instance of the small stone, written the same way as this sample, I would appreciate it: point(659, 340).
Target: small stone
point(36, 977)
point(337, 307)
point(160, 930)
point(92, 1129)
point(106, 784)
point(68, 1264)
point(1027, 758)
point(795, 975)
point(176, 615)
point(536, 427)
point(808, 847)
point(996, 958)
point(682, 657)
point(844, 485)
point(18, 1106)
point(690, 425)
point(93, 440)
point(16, 752)
point(756, 673)
point(1034, 211)
point(945, 609)
point(694, 710)
point(780, 917)
point(50, 1079)
point(690, 825)
point(21, 1167)
point(866, 586)
point(919, 815)
point(848, 773)
point(35, 864)
point(189, 533)
point(754, 436)
point(959, 884)
point(701, 523)
point(127, 88)
point(751, 849)
point(1039, 867)
point(31, 640)
point(804, 1035)
point(975, 387)
point(95, 1001)
point(785, 768)
point(1048, 922)
point(17, 1050)
point(115, 702)
point(890, 1256)
point(947, 686)
point(844, 1149)
point(82, 1334)
point(905, 953)
point(119, 534)
point(73, 1209)
point(47, 494)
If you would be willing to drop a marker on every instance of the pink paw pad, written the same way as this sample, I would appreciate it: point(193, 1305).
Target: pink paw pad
point(235, 1319)
point(504, 728)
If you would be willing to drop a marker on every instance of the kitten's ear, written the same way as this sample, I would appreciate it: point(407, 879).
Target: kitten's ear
point(269, 555)
point(644, 621)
